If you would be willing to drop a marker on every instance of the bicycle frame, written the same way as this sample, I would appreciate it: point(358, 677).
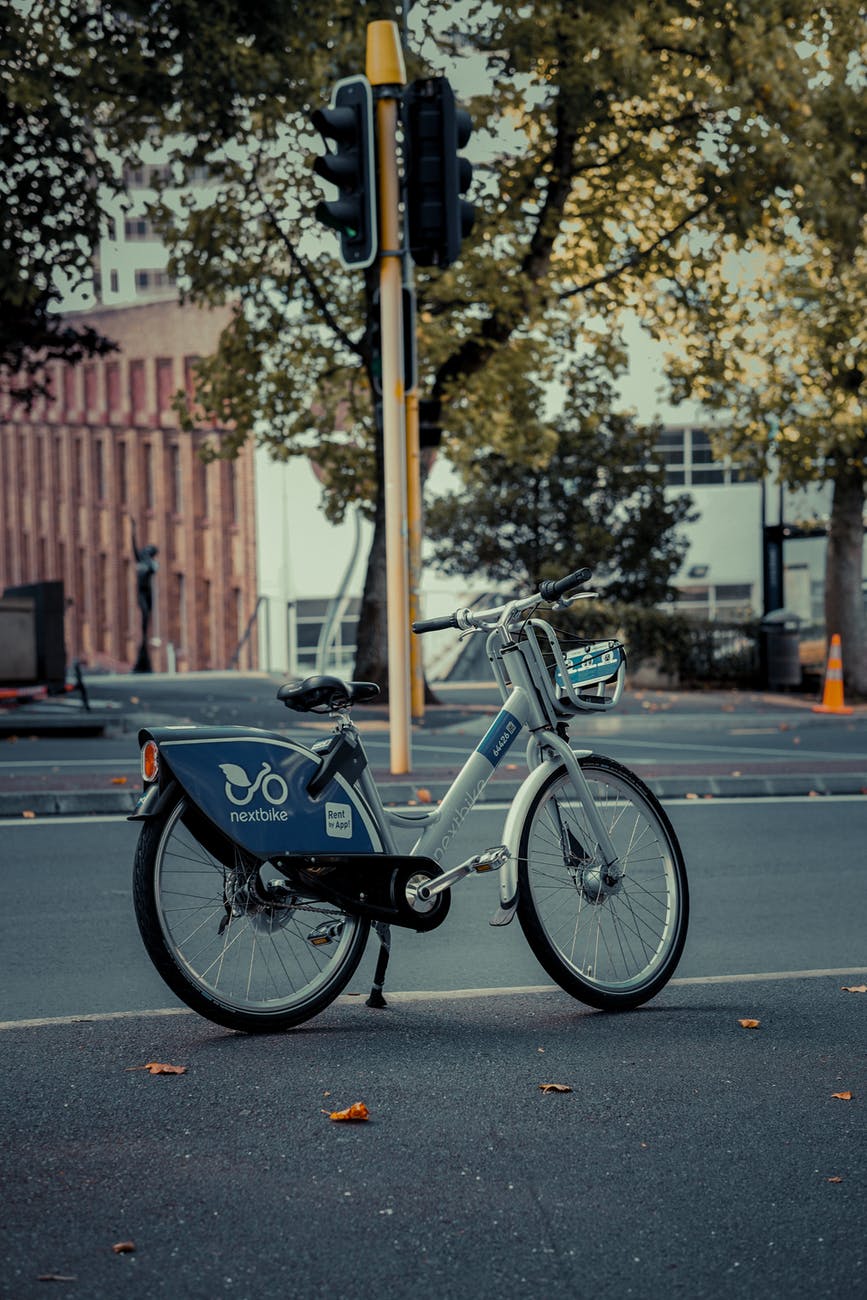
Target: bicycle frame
point(546, 751)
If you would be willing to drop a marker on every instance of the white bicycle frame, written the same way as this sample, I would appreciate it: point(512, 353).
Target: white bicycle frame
point(523, 707)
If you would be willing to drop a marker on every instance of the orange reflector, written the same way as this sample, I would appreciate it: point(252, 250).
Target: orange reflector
point(150, 760)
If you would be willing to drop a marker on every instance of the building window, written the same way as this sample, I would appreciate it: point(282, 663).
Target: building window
point(137, 387)
point(121, 464)
point(112, 385)
point(78, 469)
point(670, 450)
point(202, 477)
point(165, 383)
point(113, 281)
point(70, 389)
point(99, 469)
point(148, 281)
point(90, 388)
point(135, 228)
point(148, 475)
point(232, 491)
point(177, 479)
point(689, 461)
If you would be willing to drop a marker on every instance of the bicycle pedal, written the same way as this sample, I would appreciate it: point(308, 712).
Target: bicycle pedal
point(491, 859)
point(327, 932)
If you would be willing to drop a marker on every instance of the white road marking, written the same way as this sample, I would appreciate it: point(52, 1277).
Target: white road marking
point(449, 995)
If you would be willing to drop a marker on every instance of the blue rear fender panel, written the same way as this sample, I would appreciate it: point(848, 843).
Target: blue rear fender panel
point(252, 785)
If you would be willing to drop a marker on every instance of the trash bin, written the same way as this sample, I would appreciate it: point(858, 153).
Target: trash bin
point(781, 660)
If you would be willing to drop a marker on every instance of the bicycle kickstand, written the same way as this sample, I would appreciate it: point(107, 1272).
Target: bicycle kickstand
point(383, 931)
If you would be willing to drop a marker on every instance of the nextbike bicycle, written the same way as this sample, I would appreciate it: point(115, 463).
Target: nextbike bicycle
point(262, 863)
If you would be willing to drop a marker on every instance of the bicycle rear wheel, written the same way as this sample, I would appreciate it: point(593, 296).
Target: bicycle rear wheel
point(221, 943)
point(611, 949)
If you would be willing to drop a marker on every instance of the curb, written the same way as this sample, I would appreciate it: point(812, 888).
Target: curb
point(81, 803)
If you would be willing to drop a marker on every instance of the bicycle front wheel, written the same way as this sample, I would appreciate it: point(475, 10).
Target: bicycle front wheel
point(611, 947)
point(225, 946)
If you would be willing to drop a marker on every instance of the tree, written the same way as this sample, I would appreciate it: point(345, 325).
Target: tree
point(598, 499)
point(773, 335)
point(84, 85)
point(610, 133)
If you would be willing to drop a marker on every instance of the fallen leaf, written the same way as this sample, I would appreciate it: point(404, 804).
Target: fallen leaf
point(123, 1247)
point(853, 988)
point(750, 1024)
point(357, 1110)
point(28, 813)
point(842, 1096)
point(118, 780)
point(554, 1087)
point(156, 1067)
point(835, 1179)
point(424, 796)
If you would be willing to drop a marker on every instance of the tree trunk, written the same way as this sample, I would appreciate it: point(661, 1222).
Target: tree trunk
point(371, 654)
point(844, 600)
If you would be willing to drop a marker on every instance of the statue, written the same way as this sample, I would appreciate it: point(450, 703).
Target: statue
point(145, 567)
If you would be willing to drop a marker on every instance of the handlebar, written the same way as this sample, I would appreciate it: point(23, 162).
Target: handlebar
point(552, 590)
point(467, 620)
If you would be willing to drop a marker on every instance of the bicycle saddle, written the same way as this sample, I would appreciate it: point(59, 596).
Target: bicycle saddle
point(325, 694)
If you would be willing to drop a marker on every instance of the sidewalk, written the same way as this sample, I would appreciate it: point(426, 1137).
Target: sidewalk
point(120, 705)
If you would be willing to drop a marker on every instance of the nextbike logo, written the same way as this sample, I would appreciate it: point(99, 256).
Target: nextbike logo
point(458, 820)
point(240, 790)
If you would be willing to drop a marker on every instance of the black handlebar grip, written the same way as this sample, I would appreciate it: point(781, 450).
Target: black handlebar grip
point(551, 589)
point(435, 624)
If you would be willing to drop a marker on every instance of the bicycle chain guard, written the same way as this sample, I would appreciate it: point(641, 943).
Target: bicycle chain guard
point(379, 886)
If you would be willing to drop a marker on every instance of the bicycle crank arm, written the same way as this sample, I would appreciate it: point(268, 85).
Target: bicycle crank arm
point(490, 860)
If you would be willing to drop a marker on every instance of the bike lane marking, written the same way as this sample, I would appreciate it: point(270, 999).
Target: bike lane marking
point(449, 995)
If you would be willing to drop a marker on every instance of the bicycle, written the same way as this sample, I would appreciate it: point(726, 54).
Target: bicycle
point(255, 894)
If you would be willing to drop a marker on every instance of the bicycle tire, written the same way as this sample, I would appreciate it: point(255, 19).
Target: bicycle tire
point(240, 962)
point(615, 950)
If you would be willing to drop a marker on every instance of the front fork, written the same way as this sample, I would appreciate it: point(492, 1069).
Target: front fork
point(544, 755)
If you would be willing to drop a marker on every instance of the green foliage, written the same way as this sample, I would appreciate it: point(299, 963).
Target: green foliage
point(595, 496)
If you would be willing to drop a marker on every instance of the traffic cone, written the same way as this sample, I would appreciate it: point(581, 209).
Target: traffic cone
point(832, 696)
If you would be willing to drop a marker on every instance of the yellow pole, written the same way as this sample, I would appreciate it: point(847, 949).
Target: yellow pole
point(385, 69)
point(413, 504)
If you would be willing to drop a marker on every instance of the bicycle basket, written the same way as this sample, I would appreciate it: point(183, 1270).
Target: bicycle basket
point(577, 674)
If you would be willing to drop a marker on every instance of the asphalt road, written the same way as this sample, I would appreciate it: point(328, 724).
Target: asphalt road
point(775, 886)
point(692, 1156)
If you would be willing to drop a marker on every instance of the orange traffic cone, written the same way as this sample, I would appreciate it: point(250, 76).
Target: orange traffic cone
point(832, 696)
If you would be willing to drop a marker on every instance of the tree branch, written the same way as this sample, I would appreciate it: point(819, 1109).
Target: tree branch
point(302, 269)
point(638, 256)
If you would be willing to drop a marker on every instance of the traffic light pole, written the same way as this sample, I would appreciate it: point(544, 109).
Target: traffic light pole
point(413, 503)
point(386, 73)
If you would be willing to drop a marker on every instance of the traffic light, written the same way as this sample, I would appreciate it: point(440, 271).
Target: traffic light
point(349, 165)
point(436, 176)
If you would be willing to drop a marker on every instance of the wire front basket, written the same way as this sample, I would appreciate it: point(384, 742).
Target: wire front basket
point(576, 674)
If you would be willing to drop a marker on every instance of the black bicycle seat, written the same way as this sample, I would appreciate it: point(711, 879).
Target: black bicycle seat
point(325, 694)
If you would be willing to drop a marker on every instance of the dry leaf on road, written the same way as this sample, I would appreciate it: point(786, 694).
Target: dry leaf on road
point(157, 1067)
point(123, 1247)
point(750, 1024)
point(842, 1096)
point(835, 1179)
point(357, 1110)
point(853, 988)
point(554, 1087)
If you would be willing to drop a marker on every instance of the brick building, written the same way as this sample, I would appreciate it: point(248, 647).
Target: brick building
point(105, 449)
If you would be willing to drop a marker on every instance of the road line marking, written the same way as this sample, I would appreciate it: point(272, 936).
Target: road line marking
point(450, 995)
